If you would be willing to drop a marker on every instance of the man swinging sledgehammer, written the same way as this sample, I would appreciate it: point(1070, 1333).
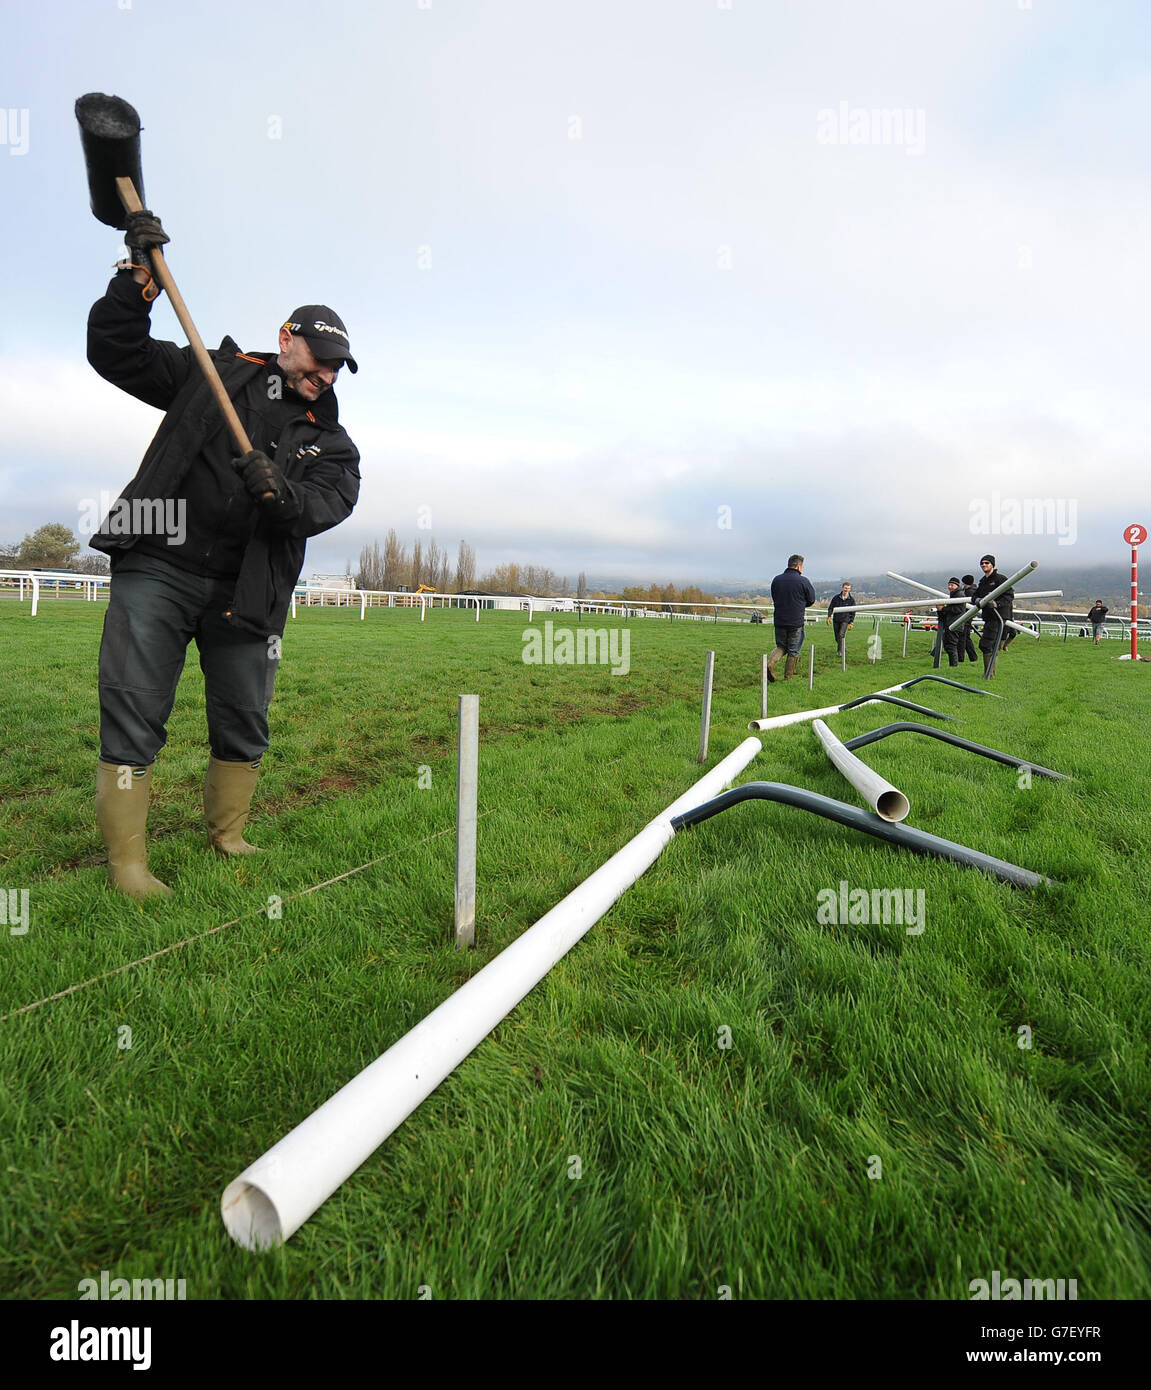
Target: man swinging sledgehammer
point(207, 547)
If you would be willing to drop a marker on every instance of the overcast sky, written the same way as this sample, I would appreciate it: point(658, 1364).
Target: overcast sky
point(868, 274)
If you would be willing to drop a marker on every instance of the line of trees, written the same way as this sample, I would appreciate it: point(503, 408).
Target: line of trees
point(398, 566)
point(51, 547)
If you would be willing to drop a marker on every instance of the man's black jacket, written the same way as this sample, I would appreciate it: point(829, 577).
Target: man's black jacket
point(1006, 600)
point(318, 460)
point(791, 593)
point(837, 604)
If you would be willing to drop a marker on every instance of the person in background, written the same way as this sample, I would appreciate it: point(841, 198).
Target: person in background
point(989, 643)
point(790, 595)
point(947, 613)
point(1097, 616)
point(842, 621)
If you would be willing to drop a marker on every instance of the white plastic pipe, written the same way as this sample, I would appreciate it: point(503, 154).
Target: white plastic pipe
point(779, 721)
point(980, 603)
point(888, 802)
point(273, 1197)
point(915, 584)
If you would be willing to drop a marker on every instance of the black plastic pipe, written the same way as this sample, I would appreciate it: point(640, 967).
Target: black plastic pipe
point(875, 735)
point(895, 700)
point(906, 836)
point(975, 690)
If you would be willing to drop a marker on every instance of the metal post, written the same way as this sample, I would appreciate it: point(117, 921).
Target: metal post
point(467, 790)
point(705, 722)
point(763, 688)
point(905, 630)
point(811, 668)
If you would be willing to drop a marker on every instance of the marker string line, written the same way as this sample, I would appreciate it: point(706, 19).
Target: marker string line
point(212, 931)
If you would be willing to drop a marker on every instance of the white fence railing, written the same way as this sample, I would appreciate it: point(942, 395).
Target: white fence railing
point(91, 587)
point(60, 583)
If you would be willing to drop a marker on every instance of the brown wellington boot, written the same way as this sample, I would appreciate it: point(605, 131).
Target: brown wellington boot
point(228, 789)
point(773, 662)
point(789, 669)
point(122, 812)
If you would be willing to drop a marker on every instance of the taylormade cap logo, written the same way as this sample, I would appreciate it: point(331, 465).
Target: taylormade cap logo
point(324, 332)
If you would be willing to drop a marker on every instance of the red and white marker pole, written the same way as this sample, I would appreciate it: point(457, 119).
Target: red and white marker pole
point(1135, 535)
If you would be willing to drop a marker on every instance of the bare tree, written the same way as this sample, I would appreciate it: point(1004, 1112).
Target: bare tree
point(371, 571)
point(395, 561)
point(443, 576)
point(416, 571)
point(581, 585)
point(465, 568)
point(88, 564)
point(432, 563)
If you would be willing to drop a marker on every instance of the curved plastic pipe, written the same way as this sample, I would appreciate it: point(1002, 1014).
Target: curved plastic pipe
point(959, 685)
point(780, 721)
point(906, 836)
point(888, 802)
point(274, 1196)
point(876, 734)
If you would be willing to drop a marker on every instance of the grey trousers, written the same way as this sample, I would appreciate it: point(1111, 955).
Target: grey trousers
point(789, 638)
point(154, 611)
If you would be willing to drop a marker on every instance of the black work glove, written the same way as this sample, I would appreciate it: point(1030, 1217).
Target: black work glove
point(143, 232)
point(264, 481)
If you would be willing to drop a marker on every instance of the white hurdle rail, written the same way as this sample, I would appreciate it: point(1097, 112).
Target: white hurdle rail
point(59, 582)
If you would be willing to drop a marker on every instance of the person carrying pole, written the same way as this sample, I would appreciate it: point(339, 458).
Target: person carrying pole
point(992, 639)
point(946, 612)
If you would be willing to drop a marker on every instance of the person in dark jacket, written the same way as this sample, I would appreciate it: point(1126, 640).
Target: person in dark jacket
point(946, 614)
point(790, 595)
point(842, 619)
point(967, 647)
point(1003, 605)
point(206, 546)
point(1097, 616)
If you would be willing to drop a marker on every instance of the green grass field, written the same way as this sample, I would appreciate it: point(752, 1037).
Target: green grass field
point(874, 1130)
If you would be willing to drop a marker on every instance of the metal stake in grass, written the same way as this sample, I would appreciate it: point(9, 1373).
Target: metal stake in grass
point(763, 688)
point(467, 790)
point(705, 722)
point(811, 668)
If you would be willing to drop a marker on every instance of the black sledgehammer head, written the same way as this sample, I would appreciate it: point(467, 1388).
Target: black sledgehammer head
point(110, 134)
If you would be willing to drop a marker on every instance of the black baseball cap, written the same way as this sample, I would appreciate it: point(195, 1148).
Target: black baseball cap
point(324, 332)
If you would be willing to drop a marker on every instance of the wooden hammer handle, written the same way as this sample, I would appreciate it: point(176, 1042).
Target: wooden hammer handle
point(131, 200)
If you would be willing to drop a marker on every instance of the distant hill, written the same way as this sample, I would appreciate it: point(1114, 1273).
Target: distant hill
point(1081, 586)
